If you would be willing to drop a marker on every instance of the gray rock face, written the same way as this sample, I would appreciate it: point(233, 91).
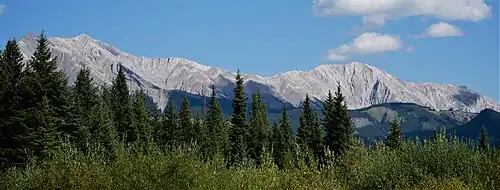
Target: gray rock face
point(363, 85)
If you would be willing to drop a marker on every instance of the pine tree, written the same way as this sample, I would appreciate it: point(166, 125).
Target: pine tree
point(101, 129)
point(239, 129)
point(44, 134)
point(186, 124)
point(484, 144)
point(140, 121)
point(50, 82)
point(337, 123)
point(278, 144)
point(84, 97)
point(214, 126)
point(310, 131)
point(171, 129)
point(395, 137)
point(259, 125)
point(317, 140)
point(286, 127)
point(44, 95)
point(121, 106)
point(282, 141)
point(11, 133)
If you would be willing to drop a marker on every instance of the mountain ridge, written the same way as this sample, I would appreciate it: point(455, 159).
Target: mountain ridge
point(362, 84)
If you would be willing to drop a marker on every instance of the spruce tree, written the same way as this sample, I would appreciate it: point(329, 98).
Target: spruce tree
point(282, 141)
point(44, 96)
point(101, 128)
point(186, 124)
point(171, 129)
point(214, 126)
point(84, 97)
point(11, 133)
point(306, 122)
point(337, 122)
point(50, 82)
point(317, 136)
point(259, 128)
point(140, 121)
point(286, 127)
point(239, 129)
point(278, 145)
point(484, 144)
point(395, 137)
point(43, 137)
point(121, 106)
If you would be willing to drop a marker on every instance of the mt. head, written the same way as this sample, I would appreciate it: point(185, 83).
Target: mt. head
point(363, 85)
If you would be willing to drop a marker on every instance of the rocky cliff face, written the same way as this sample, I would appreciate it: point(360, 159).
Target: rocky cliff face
point(363, 85)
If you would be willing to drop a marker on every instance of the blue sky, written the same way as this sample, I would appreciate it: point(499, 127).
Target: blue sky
point(267, 37)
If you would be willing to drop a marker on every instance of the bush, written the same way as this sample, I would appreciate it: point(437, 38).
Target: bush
point(436, 165)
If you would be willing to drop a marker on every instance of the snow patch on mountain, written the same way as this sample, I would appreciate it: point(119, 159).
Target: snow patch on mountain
point(362, 84)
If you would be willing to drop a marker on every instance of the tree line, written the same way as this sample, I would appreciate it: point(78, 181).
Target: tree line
point(39, 112)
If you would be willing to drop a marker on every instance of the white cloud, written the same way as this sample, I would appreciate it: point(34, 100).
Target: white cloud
point(2, 8)
point(377, 12)
point(442, 29)
point(367, 43)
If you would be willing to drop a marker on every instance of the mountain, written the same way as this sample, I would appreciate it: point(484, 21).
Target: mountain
point(489, 119)
point(363, 85)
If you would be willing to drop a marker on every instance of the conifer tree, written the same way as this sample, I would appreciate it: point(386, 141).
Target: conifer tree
point(215, 127)
point(395, 137)
point(483, 140)
point(44, 135)
point(337, 123)
point(239, 129)
point(101, 129)
point(121, 106)
point(186, 124)
point(11, 133)
point(306, 122)
point(317, 140)
point(259, 125)
point(171, 129)
point(287, 129)
point(141, 122)
point(44, 96)
point(278, 146)
point(84, 97)
point(282, 141)
point(47, 80)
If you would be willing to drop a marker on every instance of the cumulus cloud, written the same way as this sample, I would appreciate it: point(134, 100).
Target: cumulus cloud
point(442, 29)
point(2, 8)
point(367, 43)
point(377, 12)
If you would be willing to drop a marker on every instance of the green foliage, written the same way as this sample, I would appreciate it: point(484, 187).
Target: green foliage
point(310, 131)
point(44, 100)
point(483, 141)
point(121, 106)
point(47, 145)
point(186, 124)
point(83, 100)
point(171, 131)
point(337, 123)
point(238, 136)
point(259, 128)
point(395, 137)
point(141, 124)
point(11, 132)
point(216, 130)
point(448, 165)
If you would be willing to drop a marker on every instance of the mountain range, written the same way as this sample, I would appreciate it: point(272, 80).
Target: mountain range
point(363, 85)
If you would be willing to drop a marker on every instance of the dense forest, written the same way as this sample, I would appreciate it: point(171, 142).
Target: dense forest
point(90, 136)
